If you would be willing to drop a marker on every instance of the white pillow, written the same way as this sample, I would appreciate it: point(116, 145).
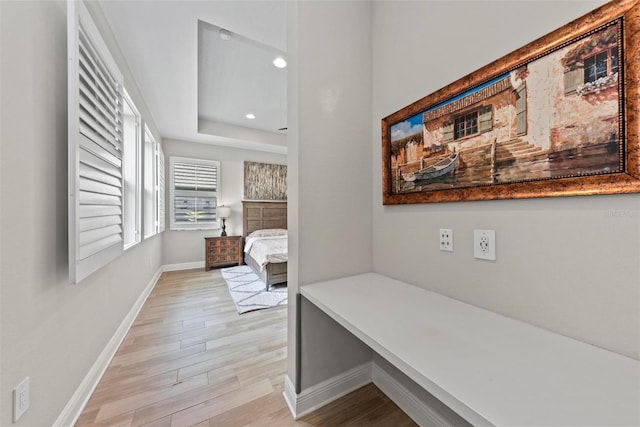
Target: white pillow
point(270, 232)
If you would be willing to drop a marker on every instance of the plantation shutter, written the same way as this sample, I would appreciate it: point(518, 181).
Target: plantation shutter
point(573, 78)
point(521, 110)
point(194, 193)
point(160, 198)
point(485, 118)
point(95, 148)
point(447, 132)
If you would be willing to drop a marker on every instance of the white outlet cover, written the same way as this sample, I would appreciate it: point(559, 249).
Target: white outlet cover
point(484, 244)
point(446, 239)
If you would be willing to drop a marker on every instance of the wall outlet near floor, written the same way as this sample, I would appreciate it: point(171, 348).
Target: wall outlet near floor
point(484, 244)
point(21, 399)
point(446, 239)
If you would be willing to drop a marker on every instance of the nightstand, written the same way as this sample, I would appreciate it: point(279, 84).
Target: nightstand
point(221, 251)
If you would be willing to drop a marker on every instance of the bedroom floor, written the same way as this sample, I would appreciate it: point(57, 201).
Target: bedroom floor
point(190, 359)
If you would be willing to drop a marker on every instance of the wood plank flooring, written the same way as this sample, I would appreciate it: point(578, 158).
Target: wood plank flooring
point(191, 360)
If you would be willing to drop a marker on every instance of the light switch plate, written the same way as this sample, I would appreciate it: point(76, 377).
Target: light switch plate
point(21, 399)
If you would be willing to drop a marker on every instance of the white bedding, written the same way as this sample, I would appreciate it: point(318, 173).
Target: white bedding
point(271, 249)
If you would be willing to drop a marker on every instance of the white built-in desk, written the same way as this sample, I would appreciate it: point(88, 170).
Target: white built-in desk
point(490, 369)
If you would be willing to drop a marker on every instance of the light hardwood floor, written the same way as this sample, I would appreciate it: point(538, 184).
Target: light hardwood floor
point(191, 360)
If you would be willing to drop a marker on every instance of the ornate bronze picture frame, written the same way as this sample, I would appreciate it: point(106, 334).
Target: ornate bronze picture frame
point(557, 117)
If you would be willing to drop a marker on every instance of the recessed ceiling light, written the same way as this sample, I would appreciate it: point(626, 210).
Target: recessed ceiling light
point(250, 116)
point(280, 62)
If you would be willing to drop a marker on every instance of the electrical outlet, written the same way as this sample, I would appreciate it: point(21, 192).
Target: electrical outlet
point(21, 399)
point(446, 239)
point(484, 244)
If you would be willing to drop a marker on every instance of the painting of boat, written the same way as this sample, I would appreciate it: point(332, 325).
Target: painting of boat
point(436, 170)
point(554, 119)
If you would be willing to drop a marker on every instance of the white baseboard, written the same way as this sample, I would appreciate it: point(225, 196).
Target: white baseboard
point(289, 394)
point(417, 409)
point(183, 266)
point(326, 391)
point(76, 404)
point(334, 388)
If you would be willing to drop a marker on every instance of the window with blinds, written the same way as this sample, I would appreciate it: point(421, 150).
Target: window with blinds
point(150, 178)
point(95, 99)
point(132, 173)
point(194, 193)
point(160, 188)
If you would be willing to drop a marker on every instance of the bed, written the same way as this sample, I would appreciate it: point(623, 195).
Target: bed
point(264, 223)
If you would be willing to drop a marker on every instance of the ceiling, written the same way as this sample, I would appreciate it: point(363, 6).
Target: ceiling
point(197, 86)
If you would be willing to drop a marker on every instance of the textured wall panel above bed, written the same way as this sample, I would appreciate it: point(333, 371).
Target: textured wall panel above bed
point(265, 181)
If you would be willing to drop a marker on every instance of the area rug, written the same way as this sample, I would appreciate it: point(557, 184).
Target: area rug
point(249, 293)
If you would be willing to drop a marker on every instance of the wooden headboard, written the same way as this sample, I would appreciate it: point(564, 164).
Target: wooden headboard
point(263, 214)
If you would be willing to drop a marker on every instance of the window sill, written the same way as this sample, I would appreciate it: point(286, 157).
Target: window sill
point(194, 228)
point(131, 245)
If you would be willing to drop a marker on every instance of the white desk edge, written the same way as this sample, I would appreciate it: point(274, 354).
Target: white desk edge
point(490, 369)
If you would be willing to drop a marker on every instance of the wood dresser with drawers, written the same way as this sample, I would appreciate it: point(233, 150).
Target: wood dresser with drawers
point(222, 251)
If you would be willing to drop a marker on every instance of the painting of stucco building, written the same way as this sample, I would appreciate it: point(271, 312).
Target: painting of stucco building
point(555, 116)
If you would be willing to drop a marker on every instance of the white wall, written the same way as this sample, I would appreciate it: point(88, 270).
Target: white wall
point(51, 331)
point(329, 134)
point(571, 265)
point(187, 246)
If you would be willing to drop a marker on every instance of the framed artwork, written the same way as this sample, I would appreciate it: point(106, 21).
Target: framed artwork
point(265, 181)
point(557, 117)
